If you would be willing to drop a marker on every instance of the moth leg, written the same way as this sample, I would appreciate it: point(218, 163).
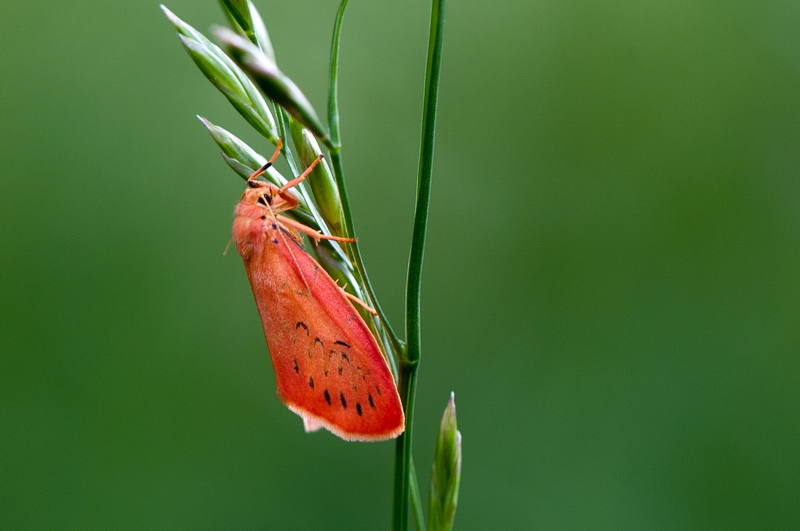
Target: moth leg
point(358, 301)
point(251, 181)
point(297, 180)
point(313, 234)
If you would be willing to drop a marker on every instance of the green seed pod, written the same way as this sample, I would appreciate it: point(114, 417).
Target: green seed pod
point(446, 472)
point(227, 77)
point(274, 83)
point(323, 184)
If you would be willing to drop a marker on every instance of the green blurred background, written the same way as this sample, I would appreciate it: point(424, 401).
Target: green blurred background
point(611, 286)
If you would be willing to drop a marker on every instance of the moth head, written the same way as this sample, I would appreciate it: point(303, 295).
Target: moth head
point(269, 196)
point(260, 193)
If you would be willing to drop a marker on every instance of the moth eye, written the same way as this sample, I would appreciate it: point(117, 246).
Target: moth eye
point(264, 200)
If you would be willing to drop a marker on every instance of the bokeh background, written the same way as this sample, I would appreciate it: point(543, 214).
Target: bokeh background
point(611, 286)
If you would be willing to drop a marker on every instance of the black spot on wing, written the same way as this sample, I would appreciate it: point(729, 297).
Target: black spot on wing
point(327, 397)
point(343, 400)
point(317, 342)
point(358, 409)
point(327, 365)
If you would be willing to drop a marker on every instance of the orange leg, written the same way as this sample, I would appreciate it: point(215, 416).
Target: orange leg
point(313, 234)
point(358, 301)
point(297, 180)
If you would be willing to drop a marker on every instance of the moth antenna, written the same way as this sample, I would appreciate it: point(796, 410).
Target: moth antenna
point(225, 252)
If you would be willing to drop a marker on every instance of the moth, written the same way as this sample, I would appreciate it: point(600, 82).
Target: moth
point(328, 366)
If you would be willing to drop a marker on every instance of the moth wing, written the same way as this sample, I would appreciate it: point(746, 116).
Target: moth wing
point(328, 366)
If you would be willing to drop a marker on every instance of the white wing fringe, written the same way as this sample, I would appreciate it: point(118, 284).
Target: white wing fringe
point(311, 424)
